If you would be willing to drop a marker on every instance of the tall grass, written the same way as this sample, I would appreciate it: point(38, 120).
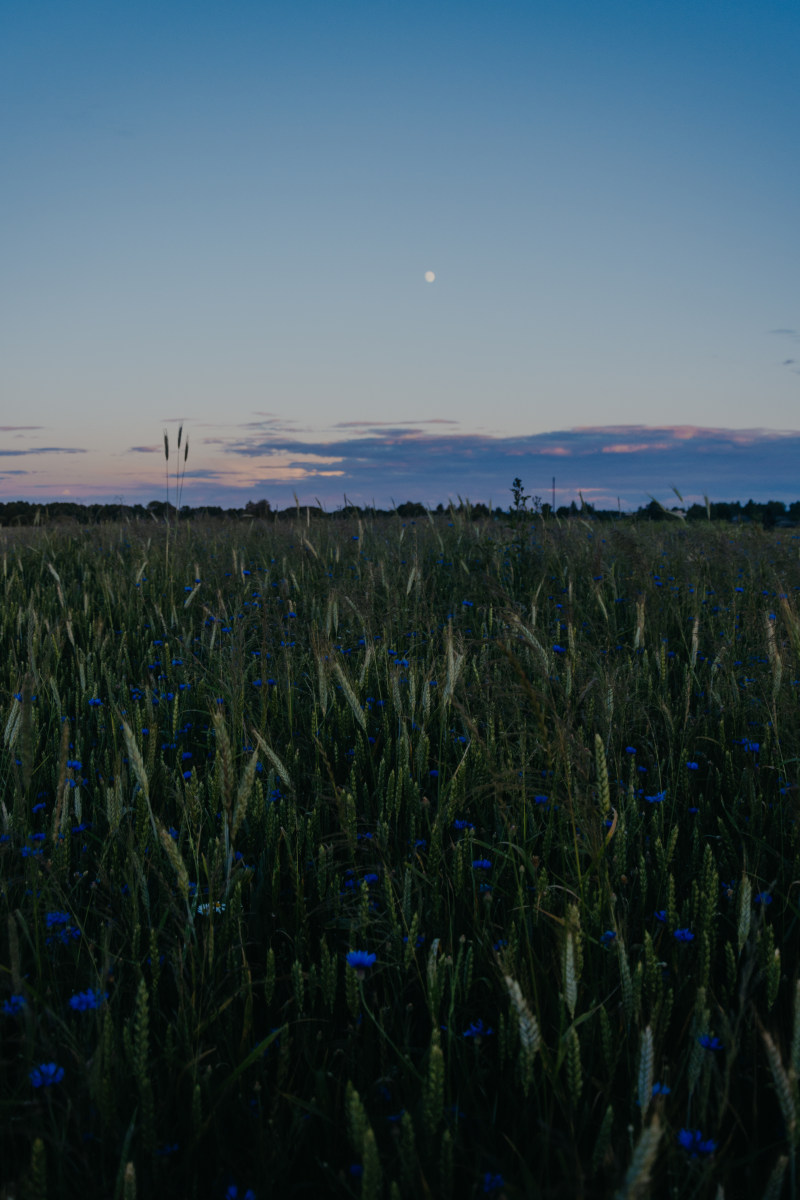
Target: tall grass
point(399, 859)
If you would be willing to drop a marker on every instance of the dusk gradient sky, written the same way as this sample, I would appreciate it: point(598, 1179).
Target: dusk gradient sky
point(223, 213)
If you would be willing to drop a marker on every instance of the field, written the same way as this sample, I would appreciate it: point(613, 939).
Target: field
point(399, 859)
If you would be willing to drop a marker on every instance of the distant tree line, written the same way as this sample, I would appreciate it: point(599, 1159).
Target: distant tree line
point(770, 514)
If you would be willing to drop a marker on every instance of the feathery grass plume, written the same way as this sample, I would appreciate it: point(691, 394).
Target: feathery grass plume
point(276, 762)
point(574, 1069)
point(570, 977)
point(454, 665)
point(243, 794)
point(409, 1169)
point(350, 696)
point(625, 979)
point(528, 1027)
point(745, 911)
point(11, 731)
point(114, 806)
point(357, 1119)
point(645, 1070)
point(783, 1087)
point(141, 1066)
point(322, 676)
point(603, 1139)
point(775, 662)
point(433, 1096)
point(773, 971)
point(532, 640)
point(695, 642)
point(637, 1179)
point(603, 790)
point(136, 761)
point(177, 863)
point(639, 635)
point(35, 1186)
point(774, 1188)
point(129, 1178)
point(371, 1176)
point(224, 758)
point(794, 1057)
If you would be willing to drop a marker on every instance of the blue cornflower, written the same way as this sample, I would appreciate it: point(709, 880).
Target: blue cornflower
point(492, 1183)
point(692, 1140)
point(56, 918)
point(661, 1089)
point(91, 998)
point(608, 936)
point(233, 1191)
point(683, 935)
point(476, 1029)
point(14, 1005)
point(540, 799)
point(95, 703)
point(658, 798)
point(630, 749)
point(692, 766)
point(359, 960)
point(46, 1074)
point(459, 824)
point(481, 864)
point(710, 1043)
point(559, 650)
point(187, 774)
point(762, 898)
point(661, 915)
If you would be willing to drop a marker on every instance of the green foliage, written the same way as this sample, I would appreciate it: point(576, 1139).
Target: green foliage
point(540, 781)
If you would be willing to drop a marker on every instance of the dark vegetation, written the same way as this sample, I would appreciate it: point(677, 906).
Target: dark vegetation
point(543, 770)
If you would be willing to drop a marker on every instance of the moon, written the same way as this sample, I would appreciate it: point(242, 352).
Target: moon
point(429, 276)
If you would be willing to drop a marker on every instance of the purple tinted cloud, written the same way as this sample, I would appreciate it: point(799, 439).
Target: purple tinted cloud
point(44, 450)
point(629, 462)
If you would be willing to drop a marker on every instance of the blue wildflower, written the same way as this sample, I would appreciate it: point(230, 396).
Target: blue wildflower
point(683, 935)
point(476, 1030)
point(359, 960)
point(710, 1043)
point(661, 1089)
point(658, 798)
point(46, 1074)
point(630, 749)
point(14, 1005)
point(492, 1183)
point(693, 1141)
point(608, 936)
point(56, 918)
point(692, 766)
point(84, 1001)
point(762, 898)
point(481, 864)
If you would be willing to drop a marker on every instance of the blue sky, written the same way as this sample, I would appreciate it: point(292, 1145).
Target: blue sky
point(223, 214)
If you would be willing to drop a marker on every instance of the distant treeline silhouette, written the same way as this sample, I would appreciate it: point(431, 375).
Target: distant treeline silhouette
point(771, 514)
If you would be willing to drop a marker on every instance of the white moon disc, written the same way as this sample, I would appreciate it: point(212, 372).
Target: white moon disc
point(429, 276)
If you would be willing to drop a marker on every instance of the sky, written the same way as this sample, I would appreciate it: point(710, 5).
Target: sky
point(221, 216)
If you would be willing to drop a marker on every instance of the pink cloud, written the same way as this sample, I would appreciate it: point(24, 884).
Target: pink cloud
point(634, 447)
